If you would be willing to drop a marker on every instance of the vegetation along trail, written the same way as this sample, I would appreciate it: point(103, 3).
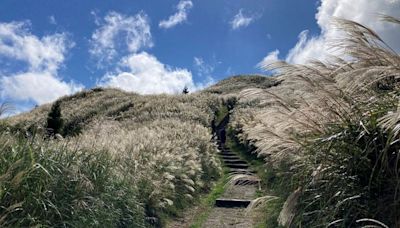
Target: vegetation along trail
point(229, 209)
point(230, 200)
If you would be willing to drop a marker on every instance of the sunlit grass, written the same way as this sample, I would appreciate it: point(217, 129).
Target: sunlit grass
point(46, 185)
point(331, 129)
point(160, 146)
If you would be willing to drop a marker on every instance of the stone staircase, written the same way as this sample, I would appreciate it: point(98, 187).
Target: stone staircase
point(229, 209)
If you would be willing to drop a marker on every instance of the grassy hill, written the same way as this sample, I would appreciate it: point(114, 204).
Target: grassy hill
point(327, 131)
point(155, 152)
point(235, 84)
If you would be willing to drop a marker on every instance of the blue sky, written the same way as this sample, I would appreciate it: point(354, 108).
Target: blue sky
point(50, 48)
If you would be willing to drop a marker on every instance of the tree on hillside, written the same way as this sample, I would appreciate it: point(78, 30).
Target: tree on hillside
point(54, 119)
point(185, 90)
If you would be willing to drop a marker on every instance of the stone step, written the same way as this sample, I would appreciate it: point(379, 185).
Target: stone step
point(229, 159)
point(235, 161)
point(247, 182)
point(237, 166)
point(228, 153)
point(242, 171)
point(230, 156)
point(231, 203)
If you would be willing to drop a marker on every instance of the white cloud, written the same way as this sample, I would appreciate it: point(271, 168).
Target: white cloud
point(144, 74)
point(270, 58)
point(362, 11)
point(46, 53)
point(183, 8)
point(42, 56)
point(120, 32)
point(40, 87)
point(308, 49)
point(203, 69)
point(97, 19)
point(240, 20)
point(137, 70)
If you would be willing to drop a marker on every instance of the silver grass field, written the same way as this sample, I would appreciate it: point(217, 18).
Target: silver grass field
point(330, 130)
point(156, 157)
point(327, 131)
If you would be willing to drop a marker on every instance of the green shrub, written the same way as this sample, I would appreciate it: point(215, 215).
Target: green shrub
point(55, 121)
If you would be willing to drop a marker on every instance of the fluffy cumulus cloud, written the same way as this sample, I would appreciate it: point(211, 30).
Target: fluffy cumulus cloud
point(365, 12)
point(143, 73)
point(137, 70)
point(42, 57)
point(240, 20)
point(180, 16)
point(41, 87)
point(46, 53)
point(120, 32)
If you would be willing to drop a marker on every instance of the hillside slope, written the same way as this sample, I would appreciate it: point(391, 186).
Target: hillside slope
point(158, 145)
point(235, 84)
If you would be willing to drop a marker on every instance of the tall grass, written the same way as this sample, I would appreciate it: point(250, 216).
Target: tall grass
point(149, 157)
point(171, 162)
point(332, 127)
point(46, 185)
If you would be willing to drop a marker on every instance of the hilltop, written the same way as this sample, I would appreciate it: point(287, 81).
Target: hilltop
point(101, 103)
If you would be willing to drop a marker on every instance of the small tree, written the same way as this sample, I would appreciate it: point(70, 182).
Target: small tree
point(54, 119)
point(185, 90)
